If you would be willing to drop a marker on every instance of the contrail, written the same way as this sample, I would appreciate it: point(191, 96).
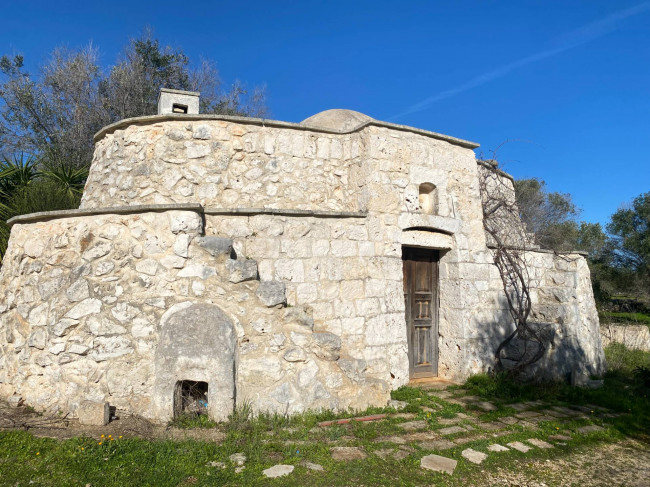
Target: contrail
point(573, 39)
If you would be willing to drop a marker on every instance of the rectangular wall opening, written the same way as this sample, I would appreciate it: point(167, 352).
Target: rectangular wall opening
point(190, 398)
point(178, 108)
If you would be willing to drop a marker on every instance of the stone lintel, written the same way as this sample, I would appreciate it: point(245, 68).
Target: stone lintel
point(151, 119)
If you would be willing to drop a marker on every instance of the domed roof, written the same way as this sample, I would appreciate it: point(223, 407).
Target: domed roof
point(337, 119)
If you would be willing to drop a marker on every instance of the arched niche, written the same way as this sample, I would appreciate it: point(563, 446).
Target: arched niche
point(428, 198)
point(197, 344)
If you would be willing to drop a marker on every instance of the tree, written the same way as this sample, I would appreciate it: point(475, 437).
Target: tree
point(57, 112)
point(550, 216)
point(630, 227)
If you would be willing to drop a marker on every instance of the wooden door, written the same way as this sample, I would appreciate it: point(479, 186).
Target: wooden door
point(421, 300)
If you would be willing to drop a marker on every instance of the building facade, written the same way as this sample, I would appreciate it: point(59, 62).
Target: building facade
point(303, 266)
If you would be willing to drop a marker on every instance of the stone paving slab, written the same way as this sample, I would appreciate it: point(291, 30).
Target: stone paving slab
point(422, 436)
point(278, 471)
point(567, 411)
point(539, 443)
point(312, 466)
point(519, 446)
point(437, 445)
point(452, 430)
point(398, 440)
point(467, 417)
point(539, 419)
point(527, 414)
point(442, 394)
point(495, 447)
point(468, 399)
point(474, 456)
point(486, 406)
point(559, 437)
point(448, 421)
point(347, 453)
point(520, 406)
point(592, 428)
point(492, 426)
point(438, 464)
point(508, 420)
point(404, 415)
point(414, 425)
point(555, 414)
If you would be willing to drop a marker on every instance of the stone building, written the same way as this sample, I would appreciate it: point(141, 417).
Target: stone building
point(292, 266)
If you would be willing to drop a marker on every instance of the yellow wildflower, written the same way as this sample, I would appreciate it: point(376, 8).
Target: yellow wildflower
point(99, 443)
point(38, 452)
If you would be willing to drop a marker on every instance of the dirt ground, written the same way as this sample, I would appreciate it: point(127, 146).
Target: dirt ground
point(127, 425)
point(623, 464)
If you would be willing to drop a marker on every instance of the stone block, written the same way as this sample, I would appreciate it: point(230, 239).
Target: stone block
point(241, 270)
point(272, 293)
point(216, 246)
point(93, 413)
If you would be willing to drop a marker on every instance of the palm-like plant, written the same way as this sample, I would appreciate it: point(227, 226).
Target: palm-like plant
point(29, 184)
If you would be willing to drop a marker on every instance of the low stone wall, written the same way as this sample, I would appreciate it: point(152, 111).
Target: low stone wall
point(634, 337)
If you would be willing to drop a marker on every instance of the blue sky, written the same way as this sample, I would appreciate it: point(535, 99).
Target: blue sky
point(567, 83)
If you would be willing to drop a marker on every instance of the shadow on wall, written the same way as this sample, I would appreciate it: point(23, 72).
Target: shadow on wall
point(566, 353)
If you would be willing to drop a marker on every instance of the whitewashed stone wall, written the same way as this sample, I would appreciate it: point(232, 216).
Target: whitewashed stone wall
point(85, 300)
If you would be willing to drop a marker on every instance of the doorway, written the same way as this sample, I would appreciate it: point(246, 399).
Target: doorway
point(421, 303)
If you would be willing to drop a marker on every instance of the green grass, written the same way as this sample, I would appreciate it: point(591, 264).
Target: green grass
point(269, 439)
point(627, 318)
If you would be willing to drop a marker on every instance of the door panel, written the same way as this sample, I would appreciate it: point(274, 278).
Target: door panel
point(421, 302)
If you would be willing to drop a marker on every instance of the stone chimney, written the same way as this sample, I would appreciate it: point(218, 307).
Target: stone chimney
point(177, 101)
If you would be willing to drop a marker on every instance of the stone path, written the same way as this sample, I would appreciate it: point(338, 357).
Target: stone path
point(429, 431)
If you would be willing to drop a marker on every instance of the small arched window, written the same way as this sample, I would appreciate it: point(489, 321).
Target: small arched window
point(428, 198)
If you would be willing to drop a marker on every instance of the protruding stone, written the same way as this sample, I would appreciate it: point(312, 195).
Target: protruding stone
point(94, 413)
point(438, 464)
point(278, 471)
point(327, 345)
point(272, 293)
point(241, 270)
point(216, 246)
